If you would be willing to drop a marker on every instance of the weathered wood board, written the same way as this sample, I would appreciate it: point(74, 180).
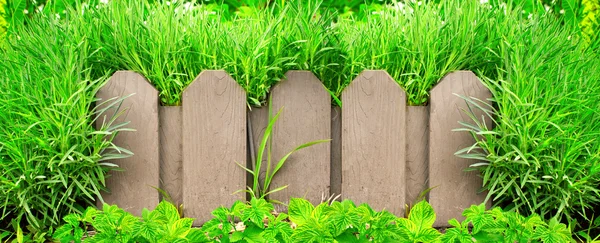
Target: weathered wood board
point(305, 117)
point(455, 189)
point(170, 152)
point(132, 189)
point(373, 142)
point(214, 139)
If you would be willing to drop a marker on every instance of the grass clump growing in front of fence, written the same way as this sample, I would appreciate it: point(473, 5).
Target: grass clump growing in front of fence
point(543, 155)
point(52, 158)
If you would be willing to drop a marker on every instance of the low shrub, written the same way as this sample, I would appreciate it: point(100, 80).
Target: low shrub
point(542, 152)
point(256, 221)
point(53, 160)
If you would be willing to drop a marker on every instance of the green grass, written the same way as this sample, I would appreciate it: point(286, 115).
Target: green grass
point(170, 48)
point(542, 156)
point(52, 158)
point(170, 45)
point(417, 45)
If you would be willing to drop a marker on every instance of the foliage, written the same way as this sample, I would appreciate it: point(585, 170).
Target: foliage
point(590, 23)
point(113, 224)
point(52, 157)
point(182, 40)
point(21, 12)
point(417, 44)
point(257, 59)
point(541, 157)
point(256, 190)
point(542, 152)
point(496, 225)
point(3, 23)
point(255, 221)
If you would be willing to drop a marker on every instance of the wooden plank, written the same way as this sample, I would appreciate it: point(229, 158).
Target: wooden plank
point(132, 189)
point(170, 152)
point(306, 117)
point(336, 151)
point(417, 133)
point(373, 142)
point(214, 139)
point(454, 189)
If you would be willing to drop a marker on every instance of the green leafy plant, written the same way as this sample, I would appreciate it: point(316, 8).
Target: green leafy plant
point(498, 226)
point(258, 191)
point(113, 224)
point(52, 155)
point(417, 44)
point(248, 222)
point(256, 221)
point(541, 154)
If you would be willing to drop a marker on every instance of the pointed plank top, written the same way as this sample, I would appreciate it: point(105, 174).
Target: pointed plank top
point(215, 76)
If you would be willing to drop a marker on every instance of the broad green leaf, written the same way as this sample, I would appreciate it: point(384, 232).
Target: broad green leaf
point(428, 235)
point(213, 227)
point(340, 217)
point(181, 227)
point(309, 233)
point(149, 230)
point(253, 234)
point(237, 236)
point(422, 215)
point(168, 210)
point(259, 209)
point(300, 211)
point(63, 232)
point(555, 232)
point(221, 213)
point(196, 236)
point(456, 235)
point(72, 219)
point(476, 214)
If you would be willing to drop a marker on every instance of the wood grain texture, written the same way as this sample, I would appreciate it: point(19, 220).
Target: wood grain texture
point(170, 152)
point(373, 142)
point(132, 189)
point(455, 189)
point(306, 117)
point(417, 149)
point(214, 139)
point(336, 151)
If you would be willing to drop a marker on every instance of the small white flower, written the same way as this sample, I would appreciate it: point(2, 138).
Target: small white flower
point(419, 3)
point(168, 3)
point(562, 11)
point(26, 11)
point(484, 1)
point(104, 1)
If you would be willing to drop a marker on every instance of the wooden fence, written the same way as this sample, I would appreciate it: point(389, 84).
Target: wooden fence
point(382, 151)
